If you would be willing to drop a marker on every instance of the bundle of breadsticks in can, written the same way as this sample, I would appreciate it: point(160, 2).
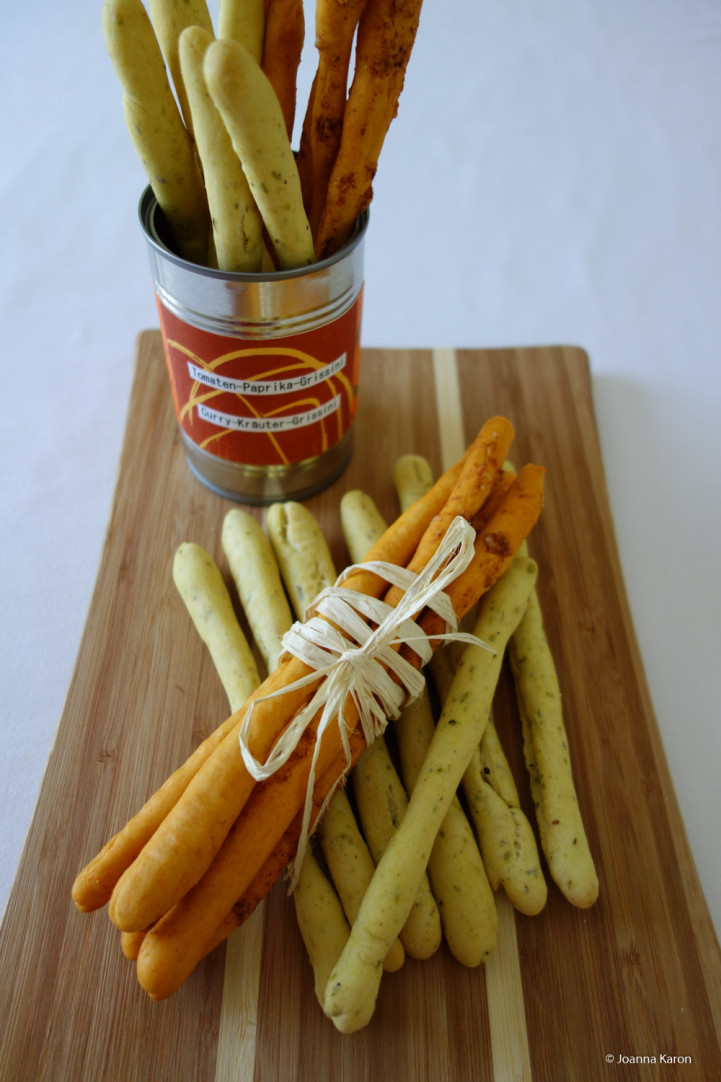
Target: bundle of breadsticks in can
point(365, 765)
point(256, 244)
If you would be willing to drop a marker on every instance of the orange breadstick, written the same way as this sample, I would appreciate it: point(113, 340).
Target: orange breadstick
point(284, 36)
point(386, 33)
point(335, 26)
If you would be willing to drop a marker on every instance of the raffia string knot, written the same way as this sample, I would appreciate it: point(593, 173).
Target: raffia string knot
point(358, 660)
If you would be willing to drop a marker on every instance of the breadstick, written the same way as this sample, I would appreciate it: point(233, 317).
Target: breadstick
point(353, 986)
point(257, 579)
point(155, 126)
point(214, 798)
point(170, 18)
point(509, 849)
point(361, 522)
point(455, 868)
point(350, 864)
point(382, 803)
point(243, 21)
point(321, 920)
point(302, 553)
point(506, 839)
point(335, 27)
point(412, 477)
point(236, 223)
point(251, 113)
point(282, 48)
point(545, 744)
point(386, 33)
point(201, 586)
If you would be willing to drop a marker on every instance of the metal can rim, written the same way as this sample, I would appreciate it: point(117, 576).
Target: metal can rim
point(149, 207)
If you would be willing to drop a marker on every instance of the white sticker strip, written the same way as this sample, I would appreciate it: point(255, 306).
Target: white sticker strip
point(266, 386)
point(268, 424)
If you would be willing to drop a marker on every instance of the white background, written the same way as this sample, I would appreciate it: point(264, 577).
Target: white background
point(553, 176)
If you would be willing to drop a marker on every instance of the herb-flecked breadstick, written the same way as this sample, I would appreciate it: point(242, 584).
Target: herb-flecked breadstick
point(350, 865)
point(302, 553)
point(506, 839)
point(321, 920)
point(505, 836)
point(201, 586)
point(545, 745)
point(251, 113)
point(361, 522)
point(382, 802)
point(256, 575)
point(243, 21)
point(155, 125)
point(412, 477)
point(236, 223)
point(170, 18)
point(458, 878)
point(380, 796)
point(353, 986)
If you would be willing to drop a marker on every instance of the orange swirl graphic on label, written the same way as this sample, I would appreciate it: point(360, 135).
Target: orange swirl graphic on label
point(284, 401)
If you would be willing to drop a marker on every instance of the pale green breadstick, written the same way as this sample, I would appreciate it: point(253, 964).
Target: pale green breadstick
point(170, 18)
point(254, 119)
point(201, 586)
point(353, 986)
point(322, 923)
point(236, 223)
point(412, 477)
point(243, 21)
point(257, 579)
point(545, 746)
point(155, 125)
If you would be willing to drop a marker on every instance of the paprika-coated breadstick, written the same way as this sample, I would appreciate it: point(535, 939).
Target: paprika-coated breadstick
point(386, 33)
point(335, 26)
point(282, 48)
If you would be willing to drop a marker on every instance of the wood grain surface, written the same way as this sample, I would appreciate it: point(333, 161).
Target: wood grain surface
point(636, 977)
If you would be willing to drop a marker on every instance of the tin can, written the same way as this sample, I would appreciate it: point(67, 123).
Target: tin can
point(263, 367)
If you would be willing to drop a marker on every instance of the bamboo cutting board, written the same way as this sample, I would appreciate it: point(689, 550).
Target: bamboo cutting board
point(636, 977)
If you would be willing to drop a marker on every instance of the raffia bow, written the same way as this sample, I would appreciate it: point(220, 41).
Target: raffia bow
point(337, 641)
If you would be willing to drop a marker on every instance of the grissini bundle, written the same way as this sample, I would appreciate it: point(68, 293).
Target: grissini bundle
point(197, 827)
point(94, 885)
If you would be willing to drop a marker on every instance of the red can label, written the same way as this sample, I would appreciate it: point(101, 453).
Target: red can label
point(264, 402)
